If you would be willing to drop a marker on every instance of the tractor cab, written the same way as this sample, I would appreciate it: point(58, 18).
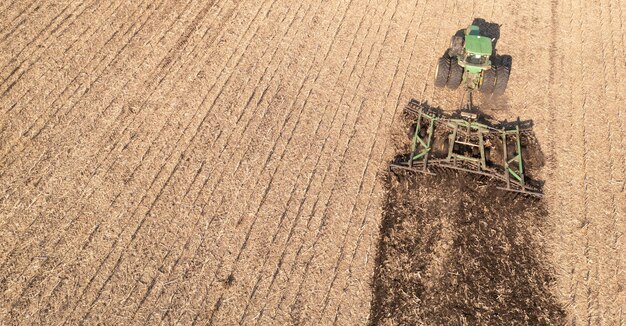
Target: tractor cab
point(476, 59)
point(477, 50)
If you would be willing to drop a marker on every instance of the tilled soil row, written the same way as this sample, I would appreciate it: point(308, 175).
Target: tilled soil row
point(455, 250)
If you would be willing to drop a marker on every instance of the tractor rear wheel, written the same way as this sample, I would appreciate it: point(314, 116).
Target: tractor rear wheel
point(489, 81)
point(442, 71)
point(456, 74)
point(502, 79)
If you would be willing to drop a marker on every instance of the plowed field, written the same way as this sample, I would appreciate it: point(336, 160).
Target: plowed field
point(224, 161)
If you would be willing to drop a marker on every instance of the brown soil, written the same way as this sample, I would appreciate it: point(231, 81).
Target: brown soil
point(455, 250)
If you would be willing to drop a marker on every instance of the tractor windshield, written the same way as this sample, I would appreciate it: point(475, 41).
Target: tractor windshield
point(476, 59)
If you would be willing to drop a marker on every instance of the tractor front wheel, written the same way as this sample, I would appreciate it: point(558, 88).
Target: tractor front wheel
point(456, 45)
point(456, 74)
point(442, 71)
point(489, 81)
point(502, 79)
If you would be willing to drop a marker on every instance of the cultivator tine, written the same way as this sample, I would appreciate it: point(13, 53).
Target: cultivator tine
point(505, 154)
point(518, 140)
point(415, 139)
point(481, 148)
point(451, 142)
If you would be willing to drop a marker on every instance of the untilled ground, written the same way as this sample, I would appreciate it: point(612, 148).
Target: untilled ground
point(221, 161)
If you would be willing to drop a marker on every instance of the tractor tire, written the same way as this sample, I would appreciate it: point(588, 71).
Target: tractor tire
point(489, 81)
point(442, 71)
point(456, 46)
point(502, 80)
point(456, 74)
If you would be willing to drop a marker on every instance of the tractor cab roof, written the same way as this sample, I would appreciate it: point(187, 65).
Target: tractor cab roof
point(475, 43)
point(472, 30)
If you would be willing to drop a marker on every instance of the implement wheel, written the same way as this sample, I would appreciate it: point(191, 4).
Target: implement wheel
point(442, 71)
point(489, 81)
point(456, 74)
point(502, 79)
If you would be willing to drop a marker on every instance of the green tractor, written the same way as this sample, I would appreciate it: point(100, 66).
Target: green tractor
point(468, 62)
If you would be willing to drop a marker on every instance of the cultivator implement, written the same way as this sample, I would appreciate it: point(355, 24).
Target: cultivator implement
point(464, 144)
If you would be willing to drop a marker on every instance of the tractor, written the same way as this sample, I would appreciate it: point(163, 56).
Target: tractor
point(468, 62)
point(465, 140)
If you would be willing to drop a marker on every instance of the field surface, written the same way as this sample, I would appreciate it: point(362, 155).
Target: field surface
point(224, 161)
